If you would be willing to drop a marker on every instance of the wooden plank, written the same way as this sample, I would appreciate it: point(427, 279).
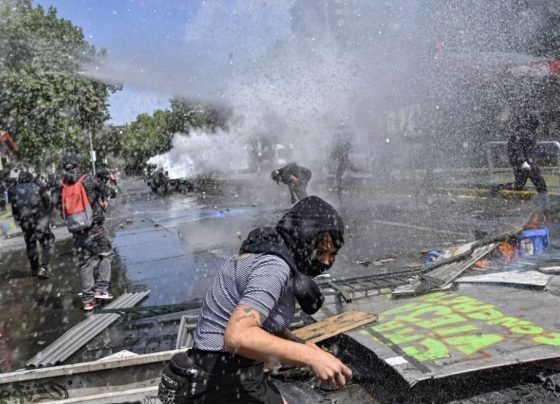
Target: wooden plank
point(334, 325)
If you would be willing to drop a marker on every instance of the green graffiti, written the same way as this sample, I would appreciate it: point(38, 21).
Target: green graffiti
point(469, 344)
point(455, 330)
point(442, 315)
point(548, 339)
point(517, 325)
point(436, 297)
point(402, 335)
point(434, 324)
point(387, 326)
point(441, 321)
point(434, 349)
point(466, 308)
point(486, 315)
point(528, 328)
point(405, 308)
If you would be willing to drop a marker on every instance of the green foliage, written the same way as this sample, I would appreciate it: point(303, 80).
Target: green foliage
point(150, 135)
point(108, 142)
point(147, 136)
point(44, 101)
point(187, 115)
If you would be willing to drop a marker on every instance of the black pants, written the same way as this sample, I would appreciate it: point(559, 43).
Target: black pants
point(38, 231)
point(233, 379)
point(522, 175)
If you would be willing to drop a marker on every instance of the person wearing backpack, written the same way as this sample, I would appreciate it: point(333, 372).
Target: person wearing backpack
point(31, 206)
point(83, 203)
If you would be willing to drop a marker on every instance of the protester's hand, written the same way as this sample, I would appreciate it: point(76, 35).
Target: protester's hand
point(525, 166)
point(329, 369)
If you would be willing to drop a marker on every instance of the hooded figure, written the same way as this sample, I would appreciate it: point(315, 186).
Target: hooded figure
point(522, 155)
point(293, 240)
point(31, 206)
point(249, 306)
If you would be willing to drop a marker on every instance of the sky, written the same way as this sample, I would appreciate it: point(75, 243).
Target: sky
point(163, 48)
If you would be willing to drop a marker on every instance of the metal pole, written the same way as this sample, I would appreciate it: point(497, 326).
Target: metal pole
point(92, 152)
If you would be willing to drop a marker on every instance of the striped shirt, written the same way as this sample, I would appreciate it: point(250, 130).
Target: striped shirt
point(259, 281)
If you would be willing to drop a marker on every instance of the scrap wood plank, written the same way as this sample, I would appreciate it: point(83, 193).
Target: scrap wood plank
point(334, 325)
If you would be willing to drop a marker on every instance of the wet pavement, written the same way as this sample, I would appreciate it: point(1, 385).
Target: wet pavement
point(172, 245)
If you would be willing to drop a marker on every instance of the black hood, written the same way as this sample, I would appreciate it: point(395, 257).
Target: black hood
point(290, 240)
point(307, 219)
point(24, 176)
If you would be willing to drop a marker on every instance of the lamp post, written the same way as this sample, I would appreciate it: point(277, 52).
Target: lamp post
point(91, 151)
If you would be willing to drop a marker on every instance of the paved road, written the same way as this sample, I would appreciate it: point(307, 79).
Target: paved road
point(173, 245)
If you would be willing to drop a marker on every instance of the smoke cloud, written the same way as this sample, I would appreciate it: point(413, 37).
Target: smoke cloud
point(393, 72)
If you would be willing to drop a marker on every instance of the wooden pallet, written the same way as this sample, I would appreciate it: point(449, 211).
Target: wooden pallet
point(334, 325)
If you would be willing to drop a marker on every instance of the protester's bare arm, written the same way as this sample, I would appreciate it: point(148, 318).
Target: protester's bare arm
point(244, 336)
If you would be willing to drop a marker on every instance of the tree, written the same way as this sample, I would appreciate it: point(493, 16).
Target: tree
point(45, 102)
point(147, 136)
point(187, 115)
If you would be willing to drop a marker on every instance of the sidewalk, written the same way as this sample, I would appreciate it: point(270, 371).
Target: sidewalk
point(8, 228)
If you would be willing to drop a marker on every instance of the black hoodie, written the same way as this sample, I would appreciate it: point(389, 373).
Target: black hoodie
point(291, 241)
point(30, 202)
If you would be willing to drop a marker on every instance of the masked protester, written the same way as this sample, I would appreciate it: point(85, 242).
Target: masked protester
point(246, 313)
point(296, 177)
point(31, 207)
point(92, 242)
point(523, 158)
point(340, 157)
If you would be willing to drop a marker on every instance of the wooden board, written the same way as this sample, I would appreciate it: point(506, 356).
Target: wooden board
point(334, 325)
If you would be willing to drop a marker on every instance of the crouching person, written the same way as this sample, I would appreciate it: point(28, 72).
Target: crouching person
point(247, 310)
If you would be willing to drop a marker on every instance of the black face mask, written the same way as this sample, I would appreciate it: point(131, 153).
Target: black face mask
point(316, 268)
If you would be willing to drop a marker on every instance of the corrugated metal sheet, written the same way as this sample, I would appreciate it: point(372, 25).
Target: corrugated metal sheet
point(82, 333)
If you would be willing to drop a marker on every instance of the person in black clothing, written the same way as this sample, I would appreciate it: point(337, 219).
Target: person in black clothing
point(523, 159)
point(31, 206)
point(93, 243)
point(107, 178)
point(340, 156)
point(296, 177)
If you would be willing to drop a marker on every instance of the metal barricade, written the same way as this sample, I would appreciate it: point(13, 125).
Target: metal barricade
point(548, 148)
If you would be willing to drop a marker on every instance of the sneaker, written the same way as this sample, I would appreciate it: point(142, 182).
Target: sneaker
point(43, 273)
point(89, 305)
point(103, 295)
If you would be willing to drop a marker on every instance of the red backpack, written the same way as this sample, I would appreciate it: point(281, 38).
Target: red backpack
point(76, 208)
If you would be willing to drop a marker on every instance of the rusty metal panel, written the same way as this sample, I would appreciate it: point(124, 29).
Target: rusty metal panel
point(446, 333)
